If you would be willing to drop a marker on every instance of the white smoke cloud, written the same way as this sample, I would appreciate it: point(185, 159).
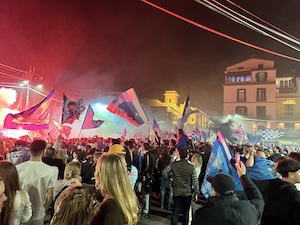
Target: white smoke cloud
point(8, 97)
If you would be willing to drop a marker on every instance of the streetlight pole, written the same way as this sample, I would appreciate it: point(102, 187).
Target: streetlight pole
point(27, 97)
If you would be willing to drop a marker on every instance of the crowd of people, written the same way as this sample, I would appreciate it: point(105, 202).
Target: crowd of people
point(110, 181)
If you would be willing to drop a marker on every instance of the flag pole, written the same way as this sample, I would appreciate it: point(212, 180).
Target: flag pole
point(83, 123)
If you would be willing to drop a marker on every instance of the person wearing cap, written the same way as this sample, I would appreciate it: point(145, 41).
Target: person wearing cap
point(282, 199)
point(223, 207)
point(132, 170)
point(185, 184)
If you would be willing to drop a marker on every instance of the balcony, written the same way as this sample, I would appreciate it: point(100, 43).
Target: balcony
point(289, 116)
point(286, 90)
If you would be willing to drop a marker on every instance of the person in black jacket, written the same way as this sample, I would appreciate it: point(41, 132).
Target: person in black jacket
point(49, 159)
point(225, 208)
point(147, 178)
point(281, 196)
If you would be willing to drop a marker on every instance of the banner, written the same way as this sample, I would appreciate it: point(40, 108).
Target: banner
point(71, 110)
point(35, 118)
point(128, 107)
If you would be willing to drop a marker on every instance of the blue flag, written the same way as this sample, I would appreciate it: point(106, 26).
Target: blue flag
point(186, 106)
point(255, 139)
point(156, 128)
point(89, 122)
point(219, 163)
point(127, 106)
point(186, 113)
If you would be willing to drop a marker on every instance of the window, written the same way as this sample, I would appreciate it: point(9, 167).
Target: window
point(261, 112)
point(286, 83)
point(241, 110)
point(240, 78)
point(281, 84)
point(289, 110)
point(260, 66)
point(261, 76)
point(241, 95)
point(261, 94)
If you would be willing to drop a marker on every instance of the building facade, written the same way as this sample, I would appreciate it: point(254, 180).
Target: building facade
point(254, 91)
point(288, 103)
point(170, 110)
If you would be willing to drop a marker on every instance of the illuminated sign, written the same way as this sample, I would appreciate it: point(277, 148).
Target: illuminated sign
point(289, 102)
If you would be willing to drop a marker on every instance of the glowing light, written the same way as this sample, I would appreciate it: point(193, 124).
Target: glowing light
point(26, 82)
point(40, 86)
point(101, 107)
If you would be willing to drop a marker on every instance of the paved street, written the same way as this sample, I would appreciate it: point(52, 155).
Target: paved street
point(157, 216)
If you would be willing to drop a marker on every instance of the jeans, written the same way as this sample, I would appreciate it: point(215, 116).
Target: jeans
point(163, 185)
point(181, 202)
point(146, 203)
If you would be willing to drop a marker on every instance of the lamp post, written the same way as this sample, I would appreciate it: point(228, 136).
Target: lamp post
point(28, 88)
point(27, 93)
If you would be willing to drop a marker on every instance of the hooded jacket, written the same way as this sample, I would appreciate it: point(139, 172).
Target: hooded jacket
point(230, 210)
point(282, 201)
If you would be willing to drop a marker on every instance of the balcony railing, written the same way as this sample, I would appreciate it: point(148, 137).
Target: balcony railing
point(284, 115)
point(287, 89)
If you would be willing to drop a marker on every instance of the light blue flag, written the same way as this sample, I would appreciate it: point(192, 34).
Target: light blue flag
point(219, 163)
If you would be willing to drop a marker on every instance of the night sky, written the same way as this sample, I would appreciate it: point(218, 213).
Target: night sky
point(115, 45)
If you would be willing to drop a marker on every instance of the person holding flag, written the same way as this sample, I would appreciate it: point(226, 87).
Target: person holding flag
point(223, 207)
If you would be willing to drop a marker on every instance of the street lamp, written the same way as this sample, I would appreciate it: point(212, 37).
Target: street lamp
point(28, 88)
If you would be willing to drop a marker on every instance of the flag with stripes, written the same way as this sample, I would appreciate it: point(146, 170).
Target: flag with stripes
point(128, 106)
point(35, 118)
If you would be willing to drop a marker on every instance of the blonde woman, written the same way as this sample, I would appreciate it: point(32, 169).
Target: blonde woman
point(71, 174)
point(197, 162)
point(63, 155)
point(120, 204)
point(76, 207)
